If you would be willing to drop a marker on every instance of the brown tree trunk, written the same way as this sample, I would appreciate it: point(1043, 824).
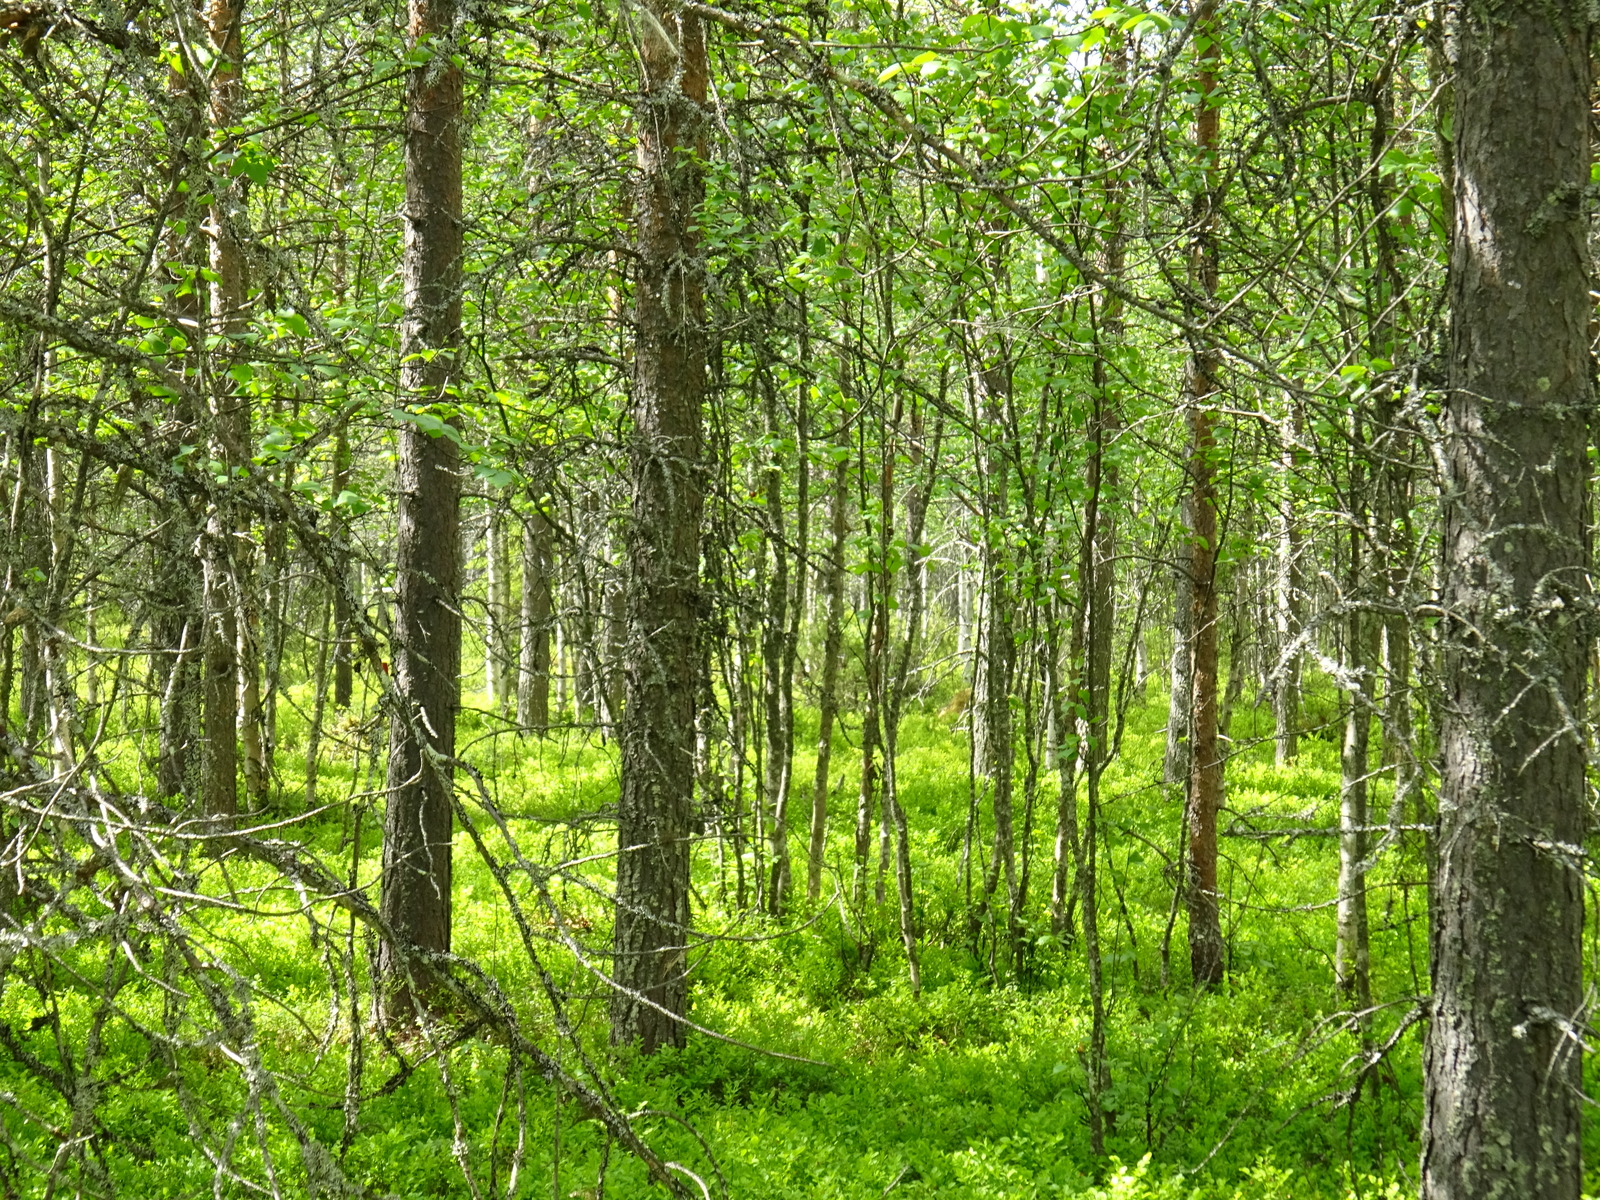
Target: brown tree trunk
point(427, 636)
point(1067, 853)
point(662, 662)
point(875, 652)
point(1205, 766)
point(1099, 591)
point(913, 605)
point(777, 659)
point(533, 677)
point(1098, 571)
point(832, 652)
point(1503, 1091)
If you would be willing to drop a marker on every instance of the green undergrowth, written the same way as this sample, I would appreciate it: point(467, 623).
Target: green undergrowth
point(824, 1076)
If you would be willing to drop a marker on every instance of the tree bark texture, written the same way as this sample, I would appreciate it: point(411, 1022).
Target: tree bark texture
point(832, 652)
point(427, 636)
point(533, 676)
point(1502, 1088)
point(1352, 955)
point(499, 660)
point(999, 638)
point(1288, 587)
point(222, 550)
point(777, 657)
point(663, 602)
point(1205, 765)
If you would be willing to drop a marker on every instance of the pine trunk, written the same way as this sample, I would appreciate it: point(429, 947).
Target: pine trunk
point(1503, 1090)
point(426, 650)
point(663, 657)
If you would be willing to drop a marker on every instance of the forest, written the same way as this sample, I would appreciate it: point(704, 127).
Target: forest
point(862, 599)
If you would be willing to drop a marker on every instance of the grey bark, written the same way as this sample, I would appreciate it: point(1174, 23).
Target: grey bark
point(663, 659)
point(777, 654)
point(224, 719)
point(1502, 1092)
point(1352, 969)
point(533, 674)
point(832, 648)
point(1288, 602)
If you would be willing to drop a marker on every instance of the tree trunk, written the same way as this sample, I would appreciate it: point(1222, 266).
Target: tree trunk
point(913, 605)
point(1099, 591)
point(875, 651)
point(1175, 762)
point(497, 655)
point(999, 645)
point(663, 603)
point(777, 665)
point(1288, 590)
point(1098, 571)
point(1503, 1091)
point(1205, 767)
point(177, 627)
point(426, 654)
point(223, 551)
point(343, 618)
point(176, 633)
point(1352, 957)
point(832, 651)
point(533, 676)
point(1067, 854)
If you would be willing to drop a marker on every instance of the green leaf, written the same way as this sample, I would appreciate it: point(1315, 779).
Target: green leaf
point(351, 503)
point(254, 163)
point(496, 477)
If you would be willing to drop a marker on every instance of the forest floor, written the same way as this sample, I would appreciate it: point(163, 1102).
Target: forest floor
point(975, 1088)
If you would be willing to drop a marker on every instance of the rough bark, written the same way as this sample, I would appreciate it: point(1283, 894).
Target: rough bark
point(224, 719)
point(777, 655)
point(426, 654)
point(1098, 572)
point(832, 652)
point(343, 617)
point(913, 605)
point(663, 656)
point(999, 642)
point(1066, 850)
point(1175, 761)
point(498, 658)
point(533, 678)
point(1205, 767)
point(1503, 1090)
point(1352, 955)
point(875, 654)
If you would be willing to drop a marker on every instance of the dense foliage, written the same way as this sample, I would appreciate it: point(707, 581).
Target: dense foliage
point(1045, 347)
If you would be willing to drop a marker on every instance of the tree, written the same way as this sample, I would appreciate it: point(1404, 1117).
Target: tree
point(650, 946)
point(229, 428)
point(427, 640)
point(1205, 753)
point(1503, 1093)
